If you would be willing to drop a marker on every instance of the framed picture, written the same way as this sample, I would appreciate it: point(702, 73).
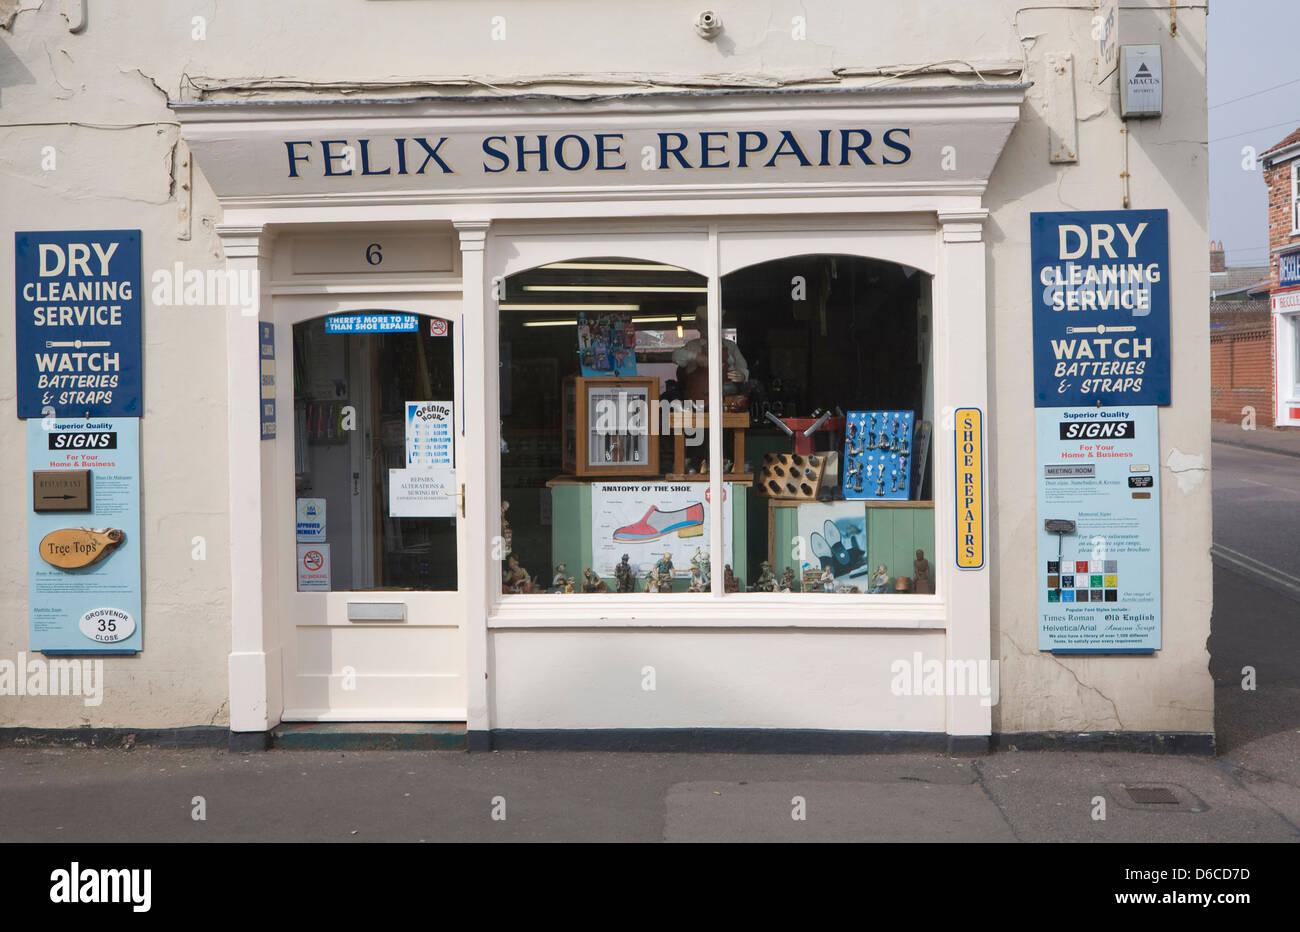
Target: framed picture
point(609, 427)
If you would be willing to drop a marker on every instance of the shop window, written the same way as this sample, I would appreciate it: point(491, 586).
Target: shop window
point(601, 372)
point(828, 398)
point(374, 420)
point(1295, 197)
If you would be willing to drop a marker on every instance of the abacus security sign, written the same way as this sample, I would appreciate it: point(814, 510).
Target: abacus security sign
point(1100, 299)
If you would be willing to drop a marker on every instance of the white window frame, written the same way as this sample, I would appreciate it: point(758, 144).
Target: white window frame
point(1295, 197)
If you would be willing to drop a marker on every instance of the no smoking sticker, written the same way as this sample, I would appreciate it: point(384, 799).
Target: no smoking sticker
point(314, 568)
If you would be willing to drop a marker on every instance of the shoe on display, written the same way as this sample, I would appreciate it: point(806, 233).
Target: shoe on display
point(838, 550)
point(685, 522)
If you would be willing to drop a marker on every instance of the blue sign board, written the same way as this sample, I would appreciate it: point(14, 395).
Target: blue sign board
point(372, 323)
point(94, 608)
point(1098, 476)
point(77, 319)
point(266, 372)
point(1100, 302)
point(1288, 269)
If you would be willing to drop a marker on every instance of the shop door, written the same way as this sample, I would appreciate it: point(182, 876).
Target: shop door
point(372, 509)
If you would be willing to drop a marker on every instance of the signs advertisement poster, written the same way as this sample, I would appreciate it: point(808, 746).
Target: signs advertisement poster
point(77, 322)
point(1100, 303)
point(310, 525)
point(83, 566)
point(1098, 530)
point(645, 520)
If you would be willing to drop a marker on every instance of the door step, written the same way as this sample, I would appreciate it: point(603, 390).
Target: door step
point(369, 736)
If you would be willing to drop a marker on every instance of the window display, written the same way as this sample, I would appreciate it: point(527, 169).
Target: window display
point(825, 421)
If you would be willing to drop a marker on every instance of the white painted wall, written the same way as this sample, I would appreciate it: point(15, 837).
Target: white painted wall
point(100, 99)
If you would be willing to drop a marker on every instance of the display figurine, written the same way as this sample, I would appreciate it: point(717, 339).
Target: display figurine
point(693, 358)
point(517, 579)
point(827, 580)
point(624, 576)
point(702, 567)
point(507, 535)
point(880, 579)
point(729, 583)
point(593, 583)
point(664, 570)
point(921, 574)
point(787, 580)
point(848, 589)
point(558, 580)
point(766, 581)
point(569, 587)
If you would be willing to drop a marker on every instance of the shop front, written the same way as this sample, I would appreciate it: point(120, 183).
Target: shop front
point(651, 414)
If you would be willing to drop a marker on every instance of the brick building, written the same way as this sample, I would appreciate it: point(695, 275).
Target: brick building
point(1241, 341)
point(1282, 175)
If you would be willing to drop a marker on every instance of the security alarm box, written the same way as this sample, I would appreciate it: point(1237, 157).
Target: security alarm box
point(1141, 82)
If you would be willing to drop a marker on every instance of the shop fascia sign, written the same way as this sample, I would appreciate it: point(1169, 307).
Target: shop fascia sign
point(1288, 269)
point(247, 154)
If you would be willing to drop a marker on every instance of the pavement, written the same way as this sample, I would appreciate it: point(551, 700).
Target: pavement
point(1249, 792)
point(1285, 441)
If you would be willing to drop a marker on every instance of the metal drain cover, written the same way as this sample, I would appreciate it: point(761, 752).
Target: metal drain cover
point(1155, 797)
point(1146, 795)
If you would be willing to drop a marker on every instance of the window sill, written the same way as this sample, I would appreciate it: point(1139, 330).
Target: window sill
point(745, 610)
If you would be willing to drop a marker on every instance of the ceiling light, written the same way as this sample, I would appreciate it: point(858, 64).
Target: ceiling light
point(566, 308)
point(613, 266)
point(663, 289)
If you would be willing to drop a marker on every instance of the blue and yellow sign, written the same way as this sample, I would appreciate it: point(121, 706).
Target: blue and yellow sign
point(968, 444)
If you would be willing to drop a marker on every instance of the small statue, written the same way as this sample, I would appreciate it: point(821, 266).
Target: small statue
point(729, 583)
point(766, 581)
point(921, 575)
point(624, 576)
point(664, 570)
point(569, 587)
point(787, 580)
point(558, 580)
point(880, 580)
point(811, 579)
point(517, 579)
point(827, 580)
point(701, 570)
point(593, 583)
point(847, 589)
point(507, 535)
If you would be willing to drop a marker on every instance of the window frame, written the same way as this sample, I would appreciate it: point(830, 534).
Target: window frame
point(787, 237)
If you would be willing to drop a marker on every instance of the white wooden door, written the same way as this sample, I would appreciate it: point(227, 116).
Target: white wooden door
point(386, 640)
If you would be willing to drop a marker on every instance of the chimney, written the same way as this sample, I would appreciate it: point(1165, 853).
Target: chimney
point(1217, 261)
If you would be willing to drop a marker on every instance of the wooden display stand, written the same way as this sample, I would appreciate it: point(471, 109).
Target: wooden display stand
point(735, 421)
point(625, 452)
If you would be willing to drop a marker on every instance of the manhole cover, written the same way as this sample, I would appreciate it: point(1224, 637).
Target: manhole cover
point(1145, 795)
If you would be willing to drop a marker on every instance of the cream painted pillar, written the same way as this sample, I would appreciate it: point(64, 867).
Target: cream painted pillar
point(478, 387)
point(255, 686)
point(962, 371)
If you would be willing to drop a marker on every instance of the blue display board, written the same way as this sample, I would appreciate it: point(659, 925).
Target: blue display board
point(266, 383)
point(1288, 269)
point(77, 323)
point(95, 609)
point(1100, 300)
point(372, 323)
point(877, 456)
point(1098, 584)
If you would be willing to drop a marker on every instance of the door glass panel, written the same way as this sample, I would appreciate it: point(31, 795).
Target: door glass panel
point(375, 419)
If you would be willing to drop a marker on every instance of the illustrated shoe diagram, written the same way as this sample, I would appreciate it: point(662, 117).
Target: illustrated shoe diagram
point(838, 550)
point(821, 550)
point(685, 522)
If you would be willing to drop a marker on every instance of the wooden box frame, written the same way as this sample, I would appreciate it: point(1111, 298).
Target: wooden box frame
point(579, 422)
